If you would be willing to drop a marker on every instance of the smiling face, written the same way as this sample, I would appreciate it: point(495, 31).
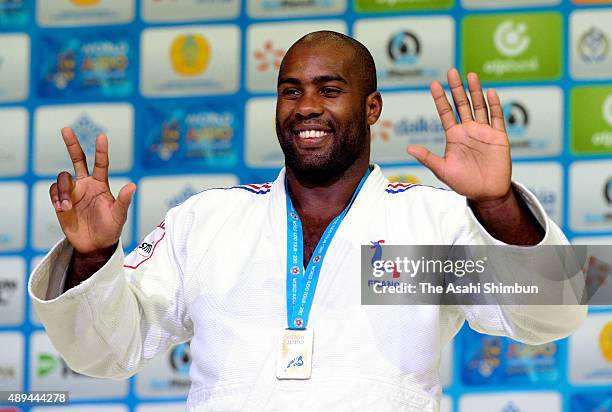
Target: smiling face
point(322, 111)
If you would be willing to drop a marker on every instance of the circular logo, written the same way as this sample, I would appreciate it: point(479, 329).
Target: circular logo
point(608, 191)
point(605, 341)
point(606, 110)
point(298, 322)
point(593, 45)
point(190, 54)
point(516, 117)
point(511, 39)
point(295, 270)
point(293, 216)
point(404, 48)
point(316, 259)
point(180, 358)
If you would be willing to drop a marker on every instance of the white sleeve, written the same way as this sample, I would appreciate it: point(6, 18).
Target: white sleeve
point(531, 324)
point(122, 316)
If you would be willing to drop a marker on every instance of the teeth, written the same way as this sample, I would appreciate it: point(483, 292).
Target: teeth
point(309, 134)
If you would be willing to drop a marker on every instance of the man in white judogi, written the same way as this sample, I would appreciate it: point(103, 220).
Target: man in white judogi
point(235, 270)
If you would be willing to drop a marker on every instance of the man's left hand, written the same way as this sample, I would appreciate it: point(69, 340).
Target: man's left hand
point(476, 160)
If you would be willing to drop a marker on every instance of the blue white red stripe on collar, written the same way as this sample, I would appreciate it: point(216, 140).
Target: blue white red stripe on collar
point(260, 189)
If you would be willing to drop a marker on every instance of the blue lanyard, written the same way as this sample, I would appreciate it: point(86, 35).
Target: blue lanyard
point(301, 284)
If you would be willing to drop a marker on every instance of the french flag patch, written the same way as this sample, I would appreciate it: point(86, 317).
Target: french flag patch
point(397, 187)
point(144, 251)
point(261, 189)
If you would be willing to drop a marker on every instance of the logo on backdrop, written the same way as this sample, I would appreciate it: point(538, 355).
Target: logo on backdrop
point(517, 118)
point(88, 65)
point(268, 58)
point(382, 130)
point(190, 54)
point(13, 13)
point(593, 45)
point(511, 38)
point(419, 130)
point(180, 137)
point(85, 3)
point(7, 288)
point(88, 131)
point(608, 191)
point(605, 341)
point(606, 110)
point(180, 358)
point(48, 363)
point(517, 122)
point(404, 48)
point(511, 407)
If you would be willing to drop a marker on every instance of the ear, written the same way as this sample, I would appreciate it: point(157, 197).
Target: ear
point(373, 107)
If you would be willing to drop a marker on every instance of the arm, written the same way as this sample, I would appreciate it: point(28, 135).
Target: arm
point(477, 165)
point(106, 317)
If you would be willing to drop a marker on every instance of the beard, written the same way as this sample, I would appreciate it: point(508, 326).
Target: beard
point(324, 165)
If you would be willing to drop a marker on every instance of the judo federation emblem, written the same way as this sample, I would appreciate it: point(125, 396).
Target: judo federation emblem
point(317, 259)
point(293, 216)
point(298, 322)
point(377, 251)
point(378, 256)
point(295, 270)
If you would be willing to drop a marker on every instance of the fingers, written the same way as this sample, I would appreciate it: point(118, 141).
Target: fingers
point(429, 160)
point(481, 114)
point(61, 191)
point(76, 152)
point(445, 111)
point(54, 195)
point(497, 112)
point(122, 203)
point(100, 171)
point(461, 100)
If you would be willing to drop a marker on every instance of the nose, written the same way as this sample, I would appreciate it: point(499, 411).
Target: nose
point(309, 106)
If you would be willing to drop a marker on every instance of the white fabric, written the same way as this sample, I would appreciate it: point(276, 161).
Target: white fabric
point(217, 277)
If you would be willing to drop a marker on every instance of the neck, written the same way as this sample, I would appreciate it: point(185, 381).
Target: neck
point(326, 199)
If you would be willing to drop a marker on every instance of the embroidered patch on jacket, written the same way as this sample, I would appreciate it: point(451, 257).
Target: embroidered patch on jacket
point(399, 187)
point(257, 189)
point(145, 250)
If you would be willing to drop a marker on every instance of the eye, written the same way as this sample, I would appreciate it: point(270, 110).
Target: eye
point(290, 92)
point(330, 91)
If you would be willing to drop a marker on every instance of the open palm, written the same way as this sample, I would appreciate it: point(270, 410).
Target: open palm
point(476, 160)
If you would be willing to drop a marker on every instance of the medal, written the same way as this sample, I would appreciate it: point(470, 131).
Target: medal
point(294, 360)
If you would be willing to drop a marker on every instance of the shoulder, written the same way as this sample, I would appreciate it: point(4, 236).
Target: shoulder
point(222, 201)
point(402, 192)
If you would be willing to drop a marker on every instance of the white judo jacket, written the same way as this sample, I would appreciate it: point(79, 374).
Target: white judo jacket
point(214, 272)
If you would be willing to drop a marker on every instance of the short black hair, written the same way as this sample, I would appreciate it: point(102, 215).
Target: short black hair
point(363, 55)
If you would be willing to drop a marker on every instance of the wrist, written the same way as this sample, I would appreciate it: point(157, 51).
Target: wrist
point(102, 254)
point(84, 265)
point(491, 204)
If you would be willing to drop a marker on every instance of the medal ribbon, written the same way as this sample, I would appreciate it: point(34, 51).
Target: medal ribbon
point(301, 284)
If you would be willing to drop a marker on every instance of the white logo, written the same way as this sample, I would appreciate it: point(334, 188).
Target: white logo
point(607, 110)
point(511, 39)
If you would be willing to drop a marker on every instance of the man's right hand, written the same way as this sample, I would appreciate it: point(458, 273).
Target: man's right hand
point(90, 216)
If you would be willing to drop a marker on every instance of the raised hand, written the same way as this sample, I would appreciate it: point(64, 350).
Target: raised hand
point(476, 160)
point(90, 216)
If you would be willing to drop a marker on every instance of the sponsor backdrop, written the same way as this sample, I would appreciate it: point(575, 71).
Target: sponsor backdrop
point(184, 89)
